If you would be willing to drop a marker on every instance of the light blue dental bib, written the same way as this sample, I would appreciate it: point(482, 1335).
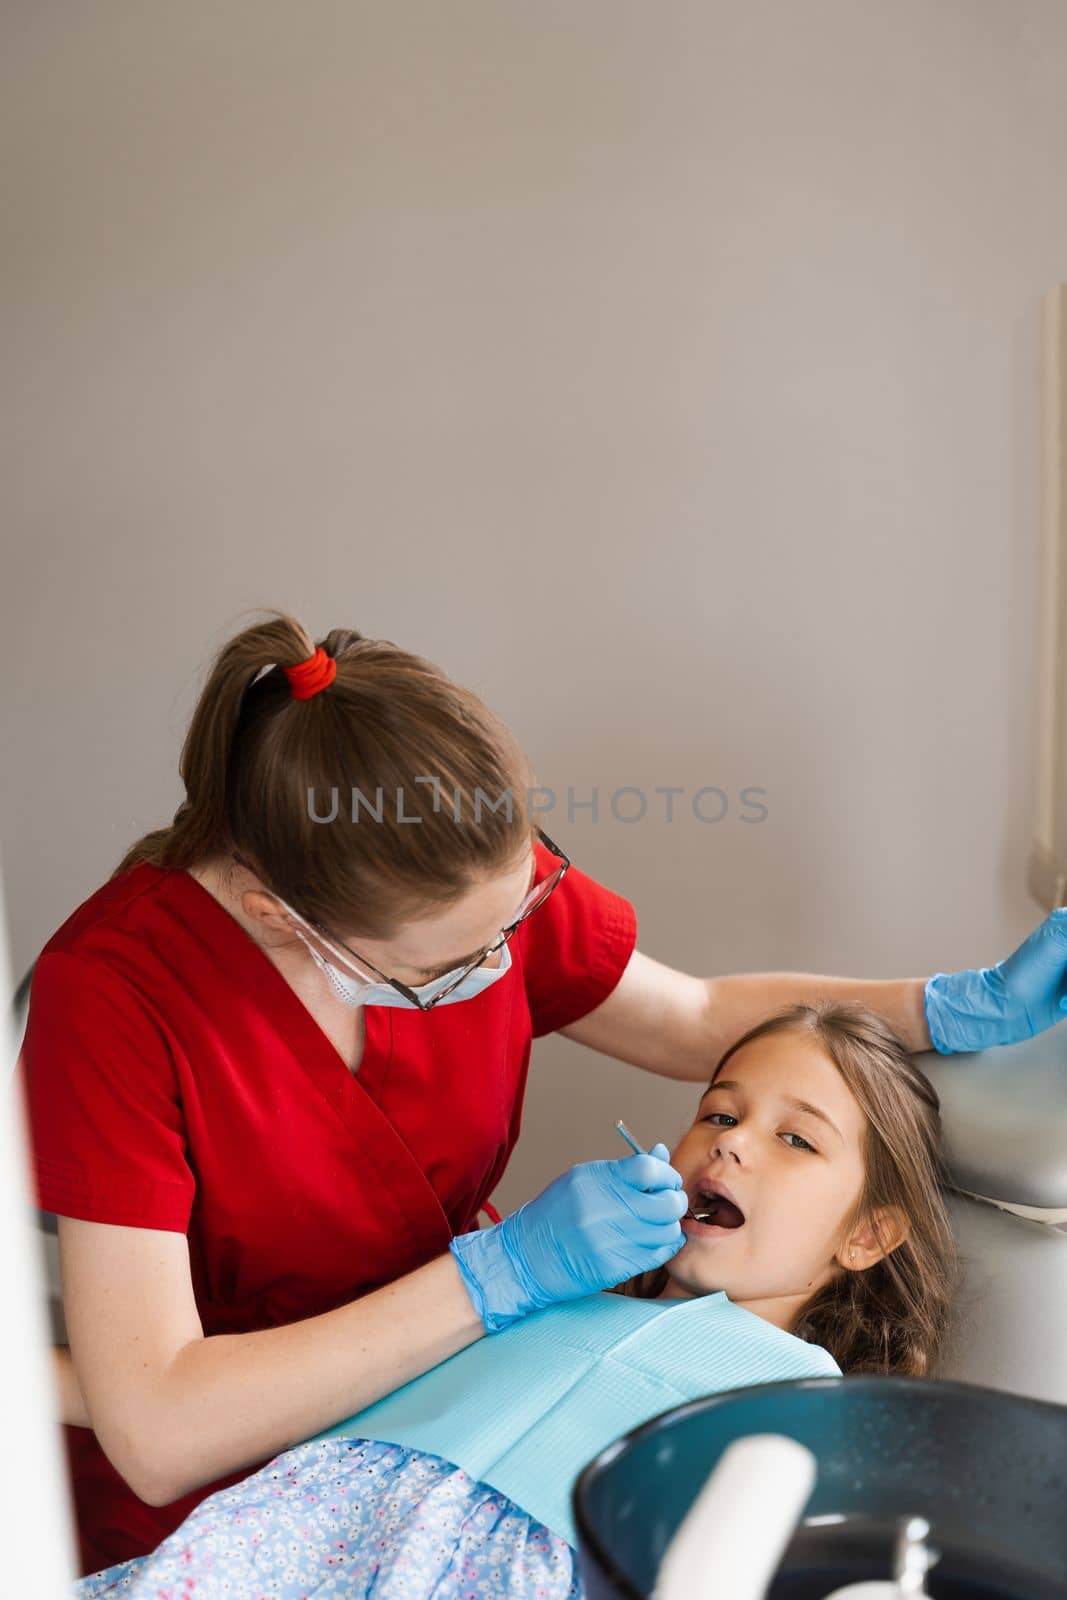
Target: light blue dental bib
point(524, 1410)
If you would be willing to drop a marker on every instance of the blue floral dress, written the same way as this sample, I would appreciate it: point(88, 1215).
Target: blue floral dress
point(351, 1518)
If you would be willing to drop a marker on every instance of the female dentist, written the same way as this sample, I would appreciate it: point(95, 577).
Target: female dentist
point(275, 1066)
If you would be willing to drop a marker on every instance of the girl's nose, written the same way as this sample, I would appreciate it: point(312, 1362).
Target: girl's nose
point(728, 1144)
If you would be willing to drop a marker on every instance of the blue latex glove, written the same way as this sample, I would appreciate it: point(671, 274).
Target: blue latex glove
point(597, 1225)
point(1017, 998)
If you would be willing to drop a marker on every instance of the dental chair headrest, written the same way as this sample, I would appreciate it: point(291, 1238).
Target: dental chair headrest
point(1004, 1115)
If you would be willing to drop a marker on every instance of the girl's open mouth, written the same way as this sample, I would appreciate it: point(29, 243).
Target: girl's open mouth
point(704, 1230)
point(711, 1213)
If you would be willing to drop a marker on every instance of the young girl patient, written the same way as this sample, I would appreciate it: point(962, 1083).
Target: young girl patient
point(816, 1243)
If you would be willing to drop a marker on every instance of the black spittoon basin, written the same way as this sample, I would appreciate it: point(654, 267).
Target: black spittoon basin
point(987, 1470)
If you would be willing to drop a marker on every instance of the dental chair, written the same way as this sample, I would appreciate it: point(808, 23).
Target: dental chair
point(1005, 1129)
point(1004, 1115)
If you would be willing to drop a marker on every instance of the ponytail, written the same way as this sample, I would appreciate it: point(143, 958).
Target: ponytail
point(310, 793)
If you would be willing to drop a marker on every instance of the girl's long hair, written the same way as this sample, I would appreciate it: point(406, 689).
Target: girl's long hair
point(892, 1316)
point(391, 737)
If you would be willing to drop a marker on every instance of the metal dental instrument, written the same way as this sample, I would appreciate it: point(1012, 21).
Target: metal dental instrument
point(630, 1140)
point(635, 1147)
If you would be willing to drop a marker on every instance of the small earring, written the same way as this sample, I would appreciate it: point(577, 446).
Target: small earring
point(851, 1255)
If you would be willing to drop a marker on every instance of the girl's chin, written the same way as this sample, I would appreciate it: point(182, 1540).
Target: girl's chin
point(686, 1283)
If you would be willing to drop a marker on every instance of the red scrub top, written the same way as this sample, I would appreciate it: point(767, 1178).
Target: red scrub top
point(174, 1080)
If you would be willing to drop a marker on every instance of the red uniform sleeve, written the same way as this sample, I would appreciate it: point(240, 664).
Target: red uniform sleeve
point(577, 947)
point(102, 1100)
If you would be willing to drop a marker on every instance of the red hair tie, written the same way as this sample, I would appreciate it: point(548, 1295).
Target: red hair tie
point(309, 676)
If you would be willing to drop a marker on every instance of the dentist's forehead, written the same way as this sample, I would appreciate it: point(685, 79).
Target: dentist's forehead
point(458, 932)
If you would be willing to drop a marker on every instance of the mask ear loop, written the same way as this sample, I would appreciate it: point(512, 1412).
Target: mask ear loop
point(358, 977)
point(347, 996)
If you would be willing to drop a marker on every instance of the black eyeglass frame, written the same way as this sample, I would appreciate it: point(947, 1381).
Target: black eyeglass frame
point(502, 938)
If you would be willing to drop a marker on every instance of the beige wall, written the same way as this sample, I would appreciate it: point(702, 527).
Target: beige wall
point(668, 373)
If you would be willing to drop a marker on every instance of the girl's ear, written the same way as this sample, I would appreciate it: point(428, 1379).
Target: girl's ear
point(878, 1235)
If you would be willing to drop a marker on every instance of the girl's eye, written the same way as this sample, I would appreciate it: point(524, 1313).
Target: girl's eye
point(801, 1144)
point(730, 1120)
point(713, 1116)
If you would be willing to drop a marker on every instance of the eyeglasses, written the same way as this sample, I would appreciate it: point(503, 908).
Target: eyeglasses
point(535, 897)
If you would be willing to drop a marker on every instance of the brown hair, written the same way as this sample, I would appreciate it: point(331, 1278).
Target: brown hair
point(893, 1316)
point(260, 767)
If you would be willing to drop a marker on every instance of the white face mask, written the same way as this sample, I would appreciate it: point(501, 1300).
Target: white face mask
point(352, 992)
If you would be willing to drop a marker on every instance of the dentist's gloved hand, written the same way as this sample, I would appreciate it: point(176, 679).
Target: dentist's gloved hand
point(597, 1225)
point(1017, 998)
